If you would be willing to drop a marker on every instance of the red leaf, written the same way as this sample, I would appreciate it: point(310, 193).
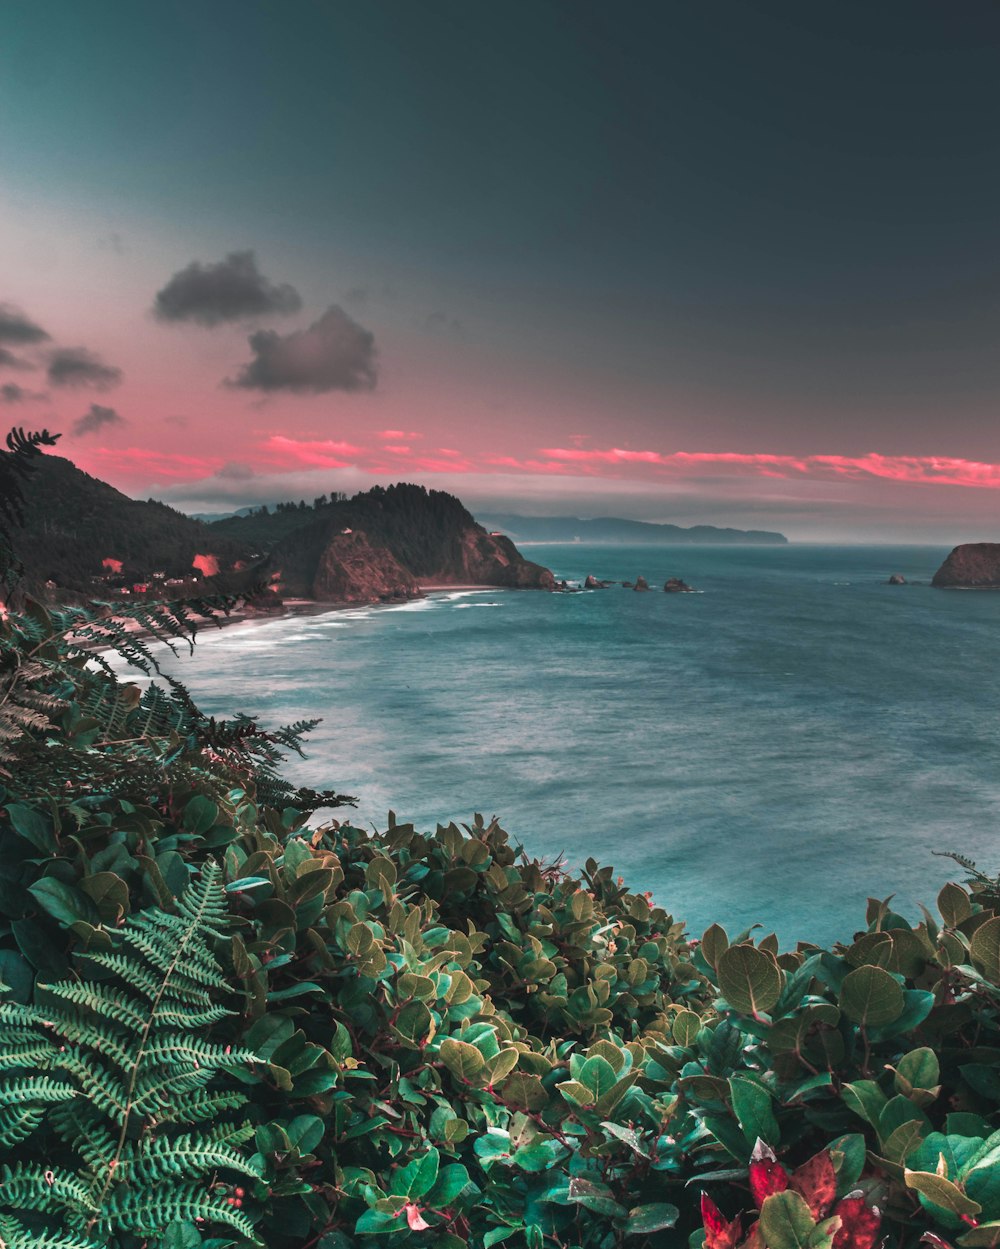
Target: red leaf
point(816, 1181)
point(415, 1219)
point(766, 1178)
point(859, 1224)
point(719, 1232)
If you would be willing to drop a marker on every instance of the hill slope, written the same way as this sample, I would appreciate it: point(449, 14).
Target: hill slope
point(74, 521)
point(422, 536)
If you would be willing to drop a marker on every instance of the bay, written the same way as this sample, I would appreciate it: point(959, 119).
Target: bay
point(794, 738)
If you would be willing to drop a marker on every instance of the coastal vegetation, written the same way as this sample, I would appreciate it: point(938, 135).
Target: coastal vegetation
point(228, 1024)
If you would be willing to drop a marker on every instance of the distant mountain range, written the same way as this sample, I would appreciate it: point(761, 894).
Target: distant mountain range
point(616, 530)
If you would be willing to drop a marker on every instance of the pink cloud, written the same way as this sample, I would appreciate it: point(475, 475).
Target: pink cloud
point(397, 435)
point(133, 460)
point(936, 470)
point(324, 453)
point(396, 449)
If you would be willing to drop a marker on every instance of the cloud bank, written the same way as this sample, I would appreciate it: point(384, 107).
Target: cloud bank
point(96, 419)
point(15, 327)
point(231, 290)
point(334, 353)
point(76, 366)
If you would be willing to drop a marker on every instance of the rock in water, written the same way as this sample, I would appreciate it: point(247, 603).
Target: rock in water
point(973, 565)
point(591, 583)
point(641, 584)
point(897, 578)
point(674, 585)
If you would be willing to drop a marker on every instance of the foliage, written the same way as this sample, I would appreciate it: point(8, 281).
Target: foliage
point(73, 521)
point(101, 1076)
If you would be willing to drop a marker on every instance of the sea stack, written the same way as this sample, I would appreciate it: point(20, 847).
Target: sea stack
point(674, 585)
point(641, 584)
point(897, 578)
point(971, 566)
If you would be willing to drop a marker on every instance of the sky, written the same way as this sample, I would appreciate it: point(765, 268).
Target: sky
point(697, 261)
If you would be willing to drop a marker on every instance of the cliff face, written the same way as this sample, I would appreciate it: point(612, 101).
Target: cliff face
point(339, 568)
point(385, 543)
point(490, 559)
point(972, 565)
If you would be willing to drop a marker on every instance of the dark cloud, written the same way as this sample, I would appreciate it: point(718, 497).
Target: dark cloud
point(231, 290)
point(10, 392)
point(15, 327)
point(76, 366)
point(97, 418)
point(334, 353)
point(9, 361)
point(234, 470)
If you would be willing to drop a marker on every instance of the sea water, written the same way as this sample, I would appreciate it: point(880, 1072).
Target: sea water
point(791, 739)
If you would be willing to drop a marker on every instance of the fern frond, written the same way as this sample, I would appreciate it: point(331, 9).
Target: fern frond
point(33, 1186)
point(202, 1105)
point(18, 1122)
point(103, 1000)
point(35, 1089)
point(151, 1211)
point(185, 1157)
point(13, 1235)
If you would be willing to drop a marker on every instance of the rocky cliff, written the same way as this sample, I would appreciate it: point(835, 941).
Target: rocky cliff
point(974, 565)
point(386, 543)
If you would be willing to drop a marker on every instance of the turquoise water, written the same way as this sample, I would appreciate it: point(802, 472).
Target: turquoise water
point(775, 749)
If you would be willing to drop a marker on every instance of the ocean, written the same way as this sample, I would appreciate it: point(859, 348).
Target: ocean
point(792, 739)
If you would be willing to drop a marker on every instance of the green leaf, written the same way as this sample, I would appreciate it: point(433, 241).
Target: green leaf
point(750, 980)
point(870, 996)
point(866, 1099)
point(919, 1069)
point(644, 1220)
point(178, 1235)
point(374, 1223)
point(64, 902)
point(462, 1059)
point(33, 827)
point(417, 1177)
point(596, 1197)
point(752, 1107)
point(941, 1192)
point(787, 1223)
point(954, 904)
point(685, 1028)
point(451, 1181)
point(200, 814)
point(985, 949)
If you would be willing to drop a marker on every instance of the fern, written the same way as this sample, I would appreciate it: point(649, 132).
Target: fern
point(108, 1069)
point(985, 887)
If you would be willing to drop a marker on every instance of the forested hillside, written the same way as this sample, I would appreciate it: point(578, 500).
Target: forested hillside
point(73, 522)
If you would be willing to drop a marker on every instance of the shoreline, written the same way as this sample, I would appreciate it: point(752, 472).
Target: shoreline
point(298, 607)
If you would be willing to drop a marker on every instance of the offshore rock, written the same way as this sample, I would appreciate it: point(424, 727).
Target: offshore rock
point(973, 565)
point(674, 585)
point(897, 578)
point(641, 584)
